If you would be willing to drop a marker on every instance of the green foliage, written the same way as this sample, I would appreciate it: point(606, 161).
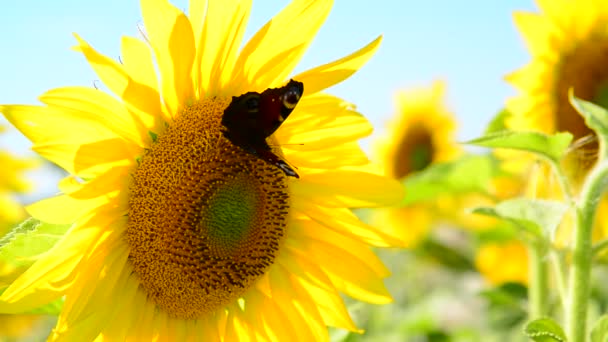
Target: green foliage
point(446, 255)
point(552, 147)
point(599, 333)
point(535, 216)
point(25, 244)
point(545, 330)
point(506, 305)
point(498, 122)
point(28, 241)
point(21, 247)
point(465, 175)
point(596, 117)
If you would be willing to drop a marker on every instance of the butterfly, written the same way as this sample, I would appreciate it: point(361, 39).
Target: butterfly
point(252, 117)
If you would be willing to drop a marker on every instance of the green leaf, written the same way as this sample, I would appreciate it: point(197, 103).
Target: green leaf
point(539, 217)
point(446, 255)
point(498, 122)
point(552, 147)
point(596, 117)
point(545, 330)
point(22, 246)
point(599, 333)
point(528, 226)
point(464, 175)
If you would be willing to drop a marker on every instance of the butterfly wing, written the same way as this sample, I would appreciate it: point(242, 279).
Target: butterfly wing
point(252, 117)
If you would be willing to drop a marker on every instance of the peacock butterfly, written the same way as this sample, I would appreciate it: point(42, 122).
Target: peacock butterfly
point(252, 117)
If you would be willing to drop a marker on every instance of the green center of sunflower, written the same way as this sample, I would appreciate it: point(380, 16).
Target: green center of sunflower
point(206, 218)
point(227, 215)
point(415, 151)
point(584, 70)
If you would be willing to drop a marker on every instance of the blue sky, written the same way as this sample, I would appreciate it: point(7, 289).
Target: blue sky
point(471, 44)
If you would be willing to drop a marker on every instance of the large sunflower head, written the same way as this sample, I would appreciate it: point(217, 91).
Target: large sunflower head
point(210, 199)
point(568, 42)
point(421, 132)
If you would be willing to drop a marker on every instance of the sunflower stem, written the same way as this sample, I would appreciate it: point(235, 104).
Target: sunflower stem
point(582, 254)
point(564, 185)
point(559, 267)
point(538, 274)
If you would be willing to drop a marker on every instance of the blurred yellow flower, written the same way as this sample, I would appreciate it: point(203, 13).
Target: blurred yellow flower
point(420, 133)
point(12, 183)
point(503, 262)
point(568, 42)
point(181, 234)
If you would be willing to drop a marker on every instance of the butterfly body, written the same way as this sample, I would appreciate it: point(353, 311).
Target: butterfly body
point(252, 117)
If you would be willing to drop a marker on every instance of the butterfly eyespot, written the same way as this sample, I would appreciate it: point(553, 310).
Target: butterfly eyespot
point(291, 98)
point(253, 104)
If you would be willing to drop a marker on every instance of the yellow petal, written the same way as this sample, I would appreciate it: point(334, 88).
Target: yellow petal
point(224, 26)
point(533, 27)
point(312, 277)
point(103, 277)
point(51, 125)
point(53, 210)
point(329, 158)
point(322, 121)
point(331, 307)
point(142, 330)
point(110, 151)
point(276, 48)
point(349, 275)
point(100, 107)
point(350, 189)
point(353, 249)
point(327, 75)
point(126, 312)
point(109, 71)
point(107, 184)
point(278, 327)
point(343, 221)
point(196, 13)
point(172, 39)
point(138, 62)
point(300, 312)
point(141, 95)
point(237, 328)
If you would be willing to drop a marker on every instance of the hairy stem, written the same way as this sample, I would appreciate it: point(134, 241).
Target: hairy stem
point(582, 254)
point(538, 274)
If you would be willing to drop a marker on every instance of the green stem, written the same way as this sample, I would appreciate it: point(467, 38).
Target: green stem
point(538, 274)
point(563, 183)
point(582, 254)
point(560, 276)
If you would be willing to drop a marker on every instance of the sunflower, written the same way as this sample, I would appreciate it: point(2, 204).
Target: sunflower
point(568, 42)
point(182, 233)
point(421, 133)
